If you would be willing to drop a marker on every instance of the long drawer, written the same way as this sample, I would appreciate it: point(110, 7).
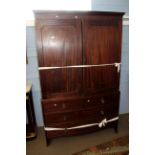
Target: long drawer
point(84, 121)
point(99, 113)
point(79, 103)
point(55, 133)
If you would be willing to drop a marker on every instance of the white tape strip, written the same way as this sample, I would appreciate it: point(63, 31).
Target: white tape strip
point(81, 66)
point(105, 121)
point(101, 124)
point(118, 65)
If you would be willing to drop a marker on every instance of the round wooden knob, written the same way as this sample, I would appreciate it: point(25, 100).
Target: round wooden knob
point(55, 105)
point(88, 100)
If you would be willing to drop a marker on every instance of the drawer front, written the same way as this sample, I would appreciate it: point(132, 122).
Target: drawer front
point(62, 106)
point(81, 103)
point(108, 100)
point(77, 116)
point(72, 116)
point(81, 121)
point(87, 129)
point(52, 134)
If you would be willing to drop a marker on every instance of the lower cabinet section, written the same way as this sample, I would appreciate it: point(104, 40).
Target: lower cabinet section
point(80, 114)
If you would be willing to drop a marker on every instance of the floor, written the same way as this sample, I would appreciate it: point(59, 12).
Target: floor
point(70, 145)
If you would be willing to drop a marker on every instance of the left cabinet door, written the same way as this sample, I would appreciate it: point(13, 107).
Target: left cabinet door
point(59, 45)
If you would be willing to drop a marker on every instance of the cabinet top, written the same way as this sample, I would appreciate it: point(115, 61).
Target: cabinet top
point(47, 13)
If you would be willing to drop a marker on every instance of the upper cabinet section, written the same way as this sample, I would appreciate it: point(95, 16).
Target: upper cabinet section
point(78, 38)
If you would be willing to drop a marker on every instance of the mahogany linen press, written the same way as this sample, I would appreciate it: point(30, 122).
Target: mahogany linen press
point(79, 57)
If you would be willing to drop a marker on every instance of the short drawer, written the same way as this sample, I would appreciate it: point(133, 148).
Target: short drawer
point(63, 106)
point(61, 117)
point(102, 99)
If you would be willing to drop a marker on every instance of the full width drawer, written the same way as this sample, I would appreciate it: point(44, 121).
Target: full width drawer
point(98, 113)
point(80, 103)
point(84, 121)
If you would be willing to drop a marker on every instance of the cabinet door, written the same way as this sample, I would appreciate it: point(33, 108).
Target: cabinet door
point(99, 79)
point(61, 82)
point(102, 40)
point(102, 45)
point(60, 46)
point(60, 42)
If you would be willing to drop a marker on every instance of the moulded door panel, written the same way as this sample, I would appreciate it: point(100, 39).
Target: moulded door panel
point(61, 82)
point(102, 40)
point(98, 79)
point(61, 43)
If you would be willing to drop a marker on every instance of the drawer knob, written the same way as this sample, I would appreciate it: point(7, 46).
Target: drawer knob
point(88, 101)
point(102, 100)
point(55, 105)
point(102, 112)
point(76, 17)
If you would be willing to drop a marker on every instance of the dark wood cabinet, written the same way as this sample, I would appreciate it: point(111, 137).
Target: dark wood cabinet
point(79, 55)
